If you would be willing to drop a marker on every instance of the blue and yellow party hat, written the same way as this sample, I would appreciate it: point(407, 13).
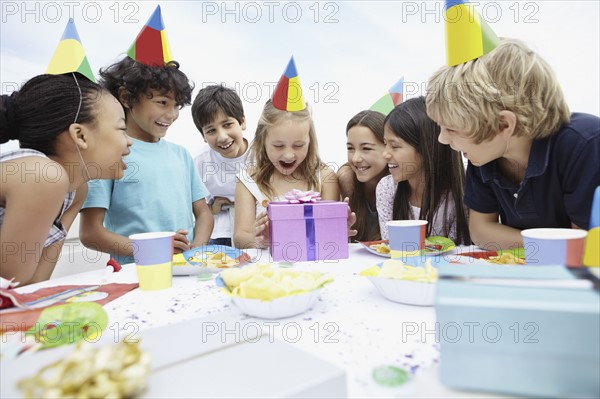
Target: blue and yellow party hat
point(151, 46)
point(69, 56)
point(391, 99)
point(468, 36)
point(288, 93)
point(591, 255)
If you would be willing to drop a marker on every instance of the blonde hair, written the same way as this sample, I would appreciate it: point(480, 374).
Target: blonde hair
point(263, 168)
point(469, 96)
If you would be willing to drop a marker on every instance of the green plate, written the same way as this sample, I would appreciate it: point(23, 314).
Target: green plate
point(69, 323)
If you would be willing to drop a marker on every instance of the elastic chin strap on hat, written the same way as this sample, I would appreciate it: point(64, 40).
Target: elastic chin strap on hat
point(87, 172)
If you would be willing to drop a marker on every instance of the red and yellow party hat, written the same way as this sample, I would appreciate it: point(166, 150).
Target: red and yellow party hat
point(151, 46)
point(69, 56)
point(393, 97)
point(468, 36)
point(288, 93)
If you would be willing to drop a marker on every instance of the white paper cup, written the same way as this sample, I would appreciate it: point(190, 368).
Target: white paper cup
point(552, 246)
point(407, 237)
point(153, 254)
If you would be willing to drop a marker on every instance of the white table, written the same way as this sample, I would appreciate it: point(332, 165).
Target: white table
point(351, 326)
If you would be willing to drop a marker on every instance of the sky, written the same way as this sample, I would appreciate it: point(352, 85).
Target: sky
point(348, 53)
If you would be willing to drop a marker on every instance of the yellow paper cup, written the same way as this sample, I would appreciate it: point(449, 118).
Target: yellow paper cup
point(153, 254)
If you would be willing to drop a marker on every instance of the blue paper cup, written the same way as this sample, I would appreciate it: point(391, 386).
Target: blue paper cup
point(153, 254)
point(554, 246)
point(407, 237)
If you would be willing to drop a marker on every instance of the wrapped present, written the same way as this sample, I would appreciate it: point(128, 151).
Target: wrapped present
point(525, 331)
point(306, 229)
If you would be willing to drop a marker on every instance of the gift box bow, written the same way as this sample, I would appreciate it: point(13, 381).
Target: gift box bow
point(302, 197)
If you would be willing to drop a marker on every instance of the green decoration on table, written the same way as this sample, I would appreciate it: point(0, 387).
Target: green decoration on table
point(69, 323)
point(390, 376)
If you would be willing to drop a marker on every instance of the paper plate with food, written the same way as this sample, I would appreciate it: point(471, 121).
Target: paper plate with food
point(434, 245)
point(208, 259)
point(267, 292)
point(411, 281)
point(514, 256)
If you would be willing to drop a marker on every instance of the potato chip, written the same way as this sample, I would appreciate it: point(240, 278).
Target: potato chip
point(382, 248)
point(396, 269)
point(118, 371)
point(267, 283)
point(178, 260)
point(506, 259)
point(220, 260)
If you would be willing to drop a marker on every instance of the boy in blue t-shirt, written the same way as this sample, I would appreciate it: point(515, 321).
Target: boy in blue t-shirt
point(219, 116)
point(161, 190)
point(531, 162)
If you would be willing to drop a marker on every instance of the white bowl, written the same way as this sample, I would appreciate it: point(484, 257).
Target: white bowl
point(279, 308)
point(405, 291)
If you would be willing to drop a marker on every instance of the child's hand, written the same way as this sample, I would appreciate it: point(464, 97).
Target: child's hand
point(261, 230)
point(181, 243)
point(217, 204)
point(351, 219)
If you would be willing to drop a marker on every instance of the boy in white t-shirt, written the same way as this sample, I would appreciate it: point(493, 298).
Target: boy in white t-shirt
point(219, 116)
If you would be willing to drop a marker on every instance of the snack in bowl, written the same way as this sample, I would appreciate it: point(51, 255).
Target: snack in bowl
point(271, 293)
point(116, 371)
point(399, 282)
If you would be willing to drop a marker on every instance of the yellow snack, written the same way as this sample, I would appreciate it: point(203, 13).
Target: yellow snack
point(267, 283)
point(178, 260)
point(506, 259)
point(221, 260)
point(396, 269)
point(117, 371)
point(382, 248)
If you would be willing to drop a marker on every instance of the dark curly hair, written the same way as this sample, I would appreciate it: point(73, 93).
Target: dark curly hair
point(45, 107)
point(137, 79)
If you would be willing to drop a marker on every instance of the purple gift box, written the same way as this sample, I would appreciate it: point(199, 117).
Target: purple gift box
point(308, 231)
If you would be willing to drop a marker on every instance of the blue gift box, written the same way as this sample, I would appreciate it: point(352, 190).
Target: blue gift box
point(501, 331)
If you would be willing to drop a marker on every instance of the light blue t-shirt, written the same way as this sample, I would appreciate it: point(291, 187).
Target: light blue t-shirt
point(155, 194)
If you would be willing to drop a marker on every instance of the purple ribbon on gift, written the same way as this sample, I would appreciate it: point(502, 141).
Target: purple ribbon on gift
point(307, 198)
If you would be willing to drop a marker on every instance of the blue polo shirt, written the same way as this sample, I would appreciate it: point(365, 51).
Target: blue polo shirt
point(562, 174)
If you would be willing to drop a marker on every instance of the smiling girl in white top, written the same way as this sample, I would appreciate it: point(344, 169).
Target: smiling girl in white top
point(283, 156)
point(359, 177)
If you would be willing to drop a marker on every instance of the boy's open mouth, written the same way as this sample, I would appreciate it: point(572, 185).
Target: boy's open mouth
point(226, 146)
point(161, 124)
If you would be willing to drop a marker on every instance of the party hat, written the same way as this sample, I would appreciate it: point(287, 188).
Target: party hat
point(69, 56)
point(393, 97)
point(591, 256)
point(288, 93)
point(151, 46)
point(468, 36)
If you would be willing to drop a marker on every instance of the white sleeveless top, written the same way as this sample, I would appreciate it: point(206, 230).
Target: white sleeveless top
point(57, 231)
point(261, 199)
